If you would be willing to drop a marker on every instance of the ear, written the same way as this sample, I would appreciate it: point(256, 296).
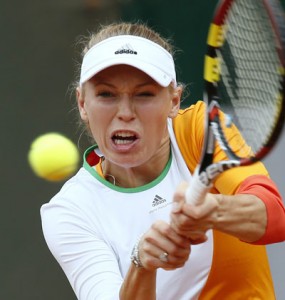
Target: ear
point(81, 104)
point(175, 102)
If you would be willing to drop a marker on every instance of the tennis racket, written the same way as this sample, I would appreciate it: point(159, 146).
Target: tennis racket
point(244, 87)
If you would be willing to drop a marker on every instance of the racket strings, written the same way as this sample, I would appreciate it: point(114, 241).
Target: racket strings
point(250, 72)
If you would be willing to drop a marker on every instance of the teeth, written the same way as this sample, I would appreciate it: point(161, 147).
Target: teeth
point(124, 134)
point(122, 142)
point(123, 138)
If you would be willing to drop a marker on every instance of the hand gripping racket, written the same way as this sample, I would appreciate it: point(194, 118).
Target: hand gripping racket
point(244, 87)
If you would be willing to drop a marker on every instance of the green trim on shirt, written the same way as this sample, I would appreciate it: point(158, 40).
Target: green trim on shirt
point(151, 184)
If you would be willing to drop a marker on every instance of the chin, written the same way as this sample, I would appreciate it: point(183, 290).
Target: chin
point(127, 162)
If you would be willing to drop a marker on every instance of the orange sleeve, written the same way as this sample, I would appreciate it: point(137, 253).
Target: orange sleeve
point(265, 189)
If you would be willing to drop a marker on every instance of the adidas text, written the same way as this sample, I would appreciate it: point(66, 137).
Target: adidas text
point(126, 51)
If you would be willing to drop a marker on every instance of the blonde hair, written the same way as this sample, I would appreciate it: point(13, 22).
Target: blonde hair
point(136, 29)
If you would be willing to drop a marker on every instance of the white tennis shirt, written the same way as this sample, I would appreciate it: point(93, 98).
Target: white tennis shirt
point(90, 227)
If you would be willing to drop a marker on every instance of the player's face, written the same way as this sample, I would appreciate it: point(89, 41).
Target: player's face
point(127, 113)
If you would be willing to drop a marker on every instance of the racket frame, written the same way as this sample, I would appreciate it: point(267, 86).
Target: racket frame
point(207, 171)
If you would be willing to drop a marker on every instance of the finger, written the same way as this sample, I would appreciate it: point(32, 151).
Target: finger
point(154, 244)
point(201, 211)
point(162, 247)
point(154, 257)
point(168, 238)
point(198, 239)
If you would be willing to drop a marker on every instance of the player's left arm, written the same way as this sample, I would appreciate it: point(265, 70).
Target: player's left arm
point(266, 190)
point(250, 180)
point(254, 180)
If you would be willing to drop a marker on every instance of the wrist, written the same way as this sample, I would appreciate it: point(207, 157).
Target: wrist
point(135, 256)
point(220, 212)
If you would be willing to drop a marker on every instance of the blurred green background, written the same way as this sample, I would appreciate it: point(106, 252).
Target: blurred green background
point(37, 59)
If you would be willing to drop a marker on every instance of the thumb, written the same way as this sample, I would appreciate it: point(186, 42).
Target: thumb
point(179, 197)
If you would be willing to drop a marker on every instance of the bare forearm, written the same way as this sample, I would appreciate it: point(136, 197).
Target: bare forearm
point(139, 284)
point(243, 216)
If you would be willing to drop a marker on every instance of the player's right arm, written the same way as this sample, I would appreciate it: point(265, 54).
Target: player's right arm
point(159, 239)
point(87, 261)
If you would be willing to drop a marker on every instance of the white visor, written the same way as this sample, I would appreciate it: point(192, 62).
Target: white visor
point(135, 51)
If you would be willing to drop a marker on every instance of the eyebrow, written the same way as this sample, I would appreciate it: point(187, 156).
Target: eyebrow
point(103, 83)
point(150, 82)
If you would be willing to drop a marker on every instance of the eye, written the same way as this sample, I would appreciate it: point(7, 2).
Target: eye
point(105, 94)
point(145, 94)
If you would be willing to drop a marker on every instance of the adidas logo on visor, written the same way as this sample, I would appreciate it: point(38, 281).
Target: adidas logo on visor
point(126, 49)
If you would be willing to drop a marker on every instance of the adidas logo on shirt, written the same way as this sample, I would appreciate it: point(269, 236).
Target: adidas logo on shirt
point(126, 49)
point(157, 200)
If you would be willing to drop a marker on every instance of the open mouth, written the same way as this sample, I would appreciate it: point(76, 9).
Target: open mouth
point(124, 138)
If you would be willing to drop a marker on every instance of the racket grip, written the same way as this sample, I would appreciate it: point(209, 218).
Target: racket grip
point(197, 190)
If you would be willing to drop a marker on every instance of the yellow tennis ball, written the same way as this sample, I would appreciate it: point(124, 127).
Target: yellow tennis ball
point(53, 156)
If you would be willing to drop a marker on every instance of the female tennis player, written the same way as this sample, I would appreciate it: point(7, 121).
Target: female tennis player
point(121, 228)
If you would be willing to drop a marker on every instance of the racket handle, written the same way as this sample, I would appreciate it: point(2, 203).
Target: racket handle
point(197, 190)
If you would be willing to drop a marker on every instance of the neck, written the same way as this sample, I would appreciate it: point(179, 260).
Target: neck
point(135, 176)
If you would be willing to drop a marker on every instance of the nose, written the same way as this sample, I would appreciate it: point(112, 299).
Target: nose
point(126, 108)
